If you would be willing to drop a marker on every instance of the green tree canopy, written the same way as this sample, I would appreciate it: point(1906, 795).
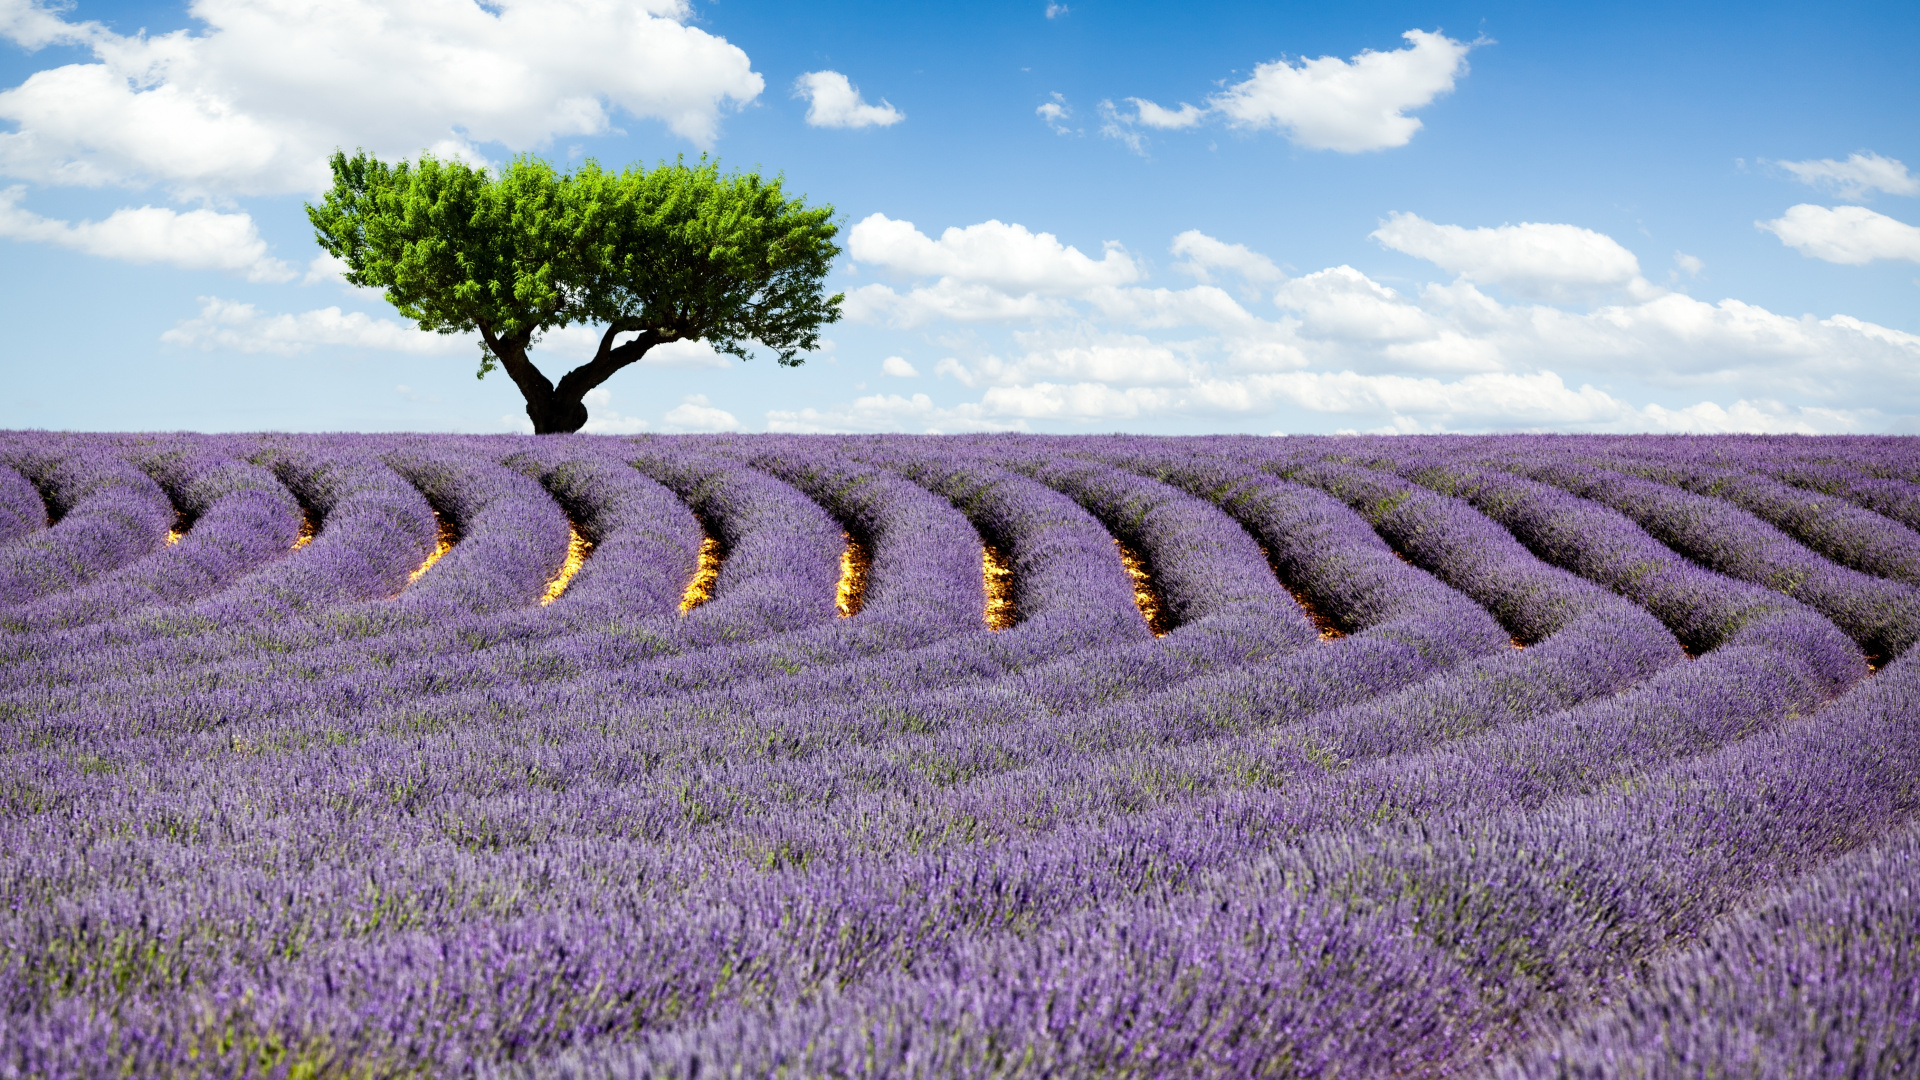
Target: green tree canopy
point(678, 252)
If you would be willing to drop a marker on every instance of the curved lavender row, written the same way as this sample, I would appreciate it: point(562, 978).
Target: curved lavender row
point(512, 536)
point(1895, 499)
point(1704, 609)
point(782, 550)
point(1555, 745)
point(1073, 575)
point(1464, 548)
point(110, 513)
point(645, 540)
point(21, 508)
point(340, 640)
point(1832, 527)
point(519, 537)
point(242, 519)
point(374, 891)
point(1416, 628)
point(1883, 616)
point(1121, 861)
point(1203, 565)
point(926, 555)
point(1600, 645)
point(1474, 931)
point(1327, 550)
point(1059, 549)
point(611, 678)
point(1818, 980)
point(375, 528)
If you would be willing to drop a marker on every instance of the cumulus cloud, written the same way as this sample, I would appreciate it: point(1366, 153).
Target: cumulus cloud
point(1156, 116)
point(240, 327)
point(991, 253)
point(1536, 260)
point(833, 102)
point(1055, 112)
point(898, 367)
point(1344, 303)
point(1439, 356)
point(194, 240)
point(696, 413)
point(1201, 255)
point(604, 419)
point(1845, 234)
point(1350, 106)
point(1126, 360)
point(947, 300)
point(887, 412)
point(1856, 177)
point(255, 100)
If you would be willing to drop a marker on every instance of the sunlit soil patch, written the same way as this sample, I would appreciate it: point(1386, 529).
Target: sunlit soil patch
point(998, 577)
point(1146, 595)
point(447, 538)
point(706, 572)
point(181, 523)
point(307, 532)
point(578, 548)
point(851, 593)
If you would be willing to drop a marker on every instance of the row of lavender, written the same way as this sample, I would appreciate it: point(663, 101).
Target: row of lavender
point(1448, 756)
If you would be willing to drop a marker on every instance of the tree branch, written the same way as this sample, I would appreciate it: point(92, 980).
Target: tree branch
point(610, 359)
point(512, 351)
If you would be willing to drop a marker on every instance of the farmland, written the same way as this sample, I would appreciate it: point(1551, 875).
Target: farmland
point(888, 756)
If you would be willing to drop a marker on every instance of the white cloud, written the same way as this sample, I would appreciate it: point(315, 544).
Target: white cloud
point(1055, 10)
point(1344, 303)
point(1202, 254)
point(256, 101)
point(194, 240)
point(696, 413)
point(898, 367)
point(1156, 116)
point(833, 102)
point(34, 25)
point(1857, 176)
point(1127, 360)
point(1056, 113)
point(1328, 103)
point(604, 419)
point(1439, 357)
point(947, 300)
point(991, 253)
point(323, 268)
point(885, 412)
point(1845, 234)
point(230, 324)
point(1537, 260)
point(1690, 263)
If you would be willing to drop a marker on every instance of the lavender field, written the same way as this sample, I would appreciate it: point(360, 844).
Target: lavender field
point(905, 756)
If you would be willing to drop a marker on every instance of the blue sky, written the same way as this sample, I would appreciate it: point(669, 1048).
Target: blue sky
point(1088, 216)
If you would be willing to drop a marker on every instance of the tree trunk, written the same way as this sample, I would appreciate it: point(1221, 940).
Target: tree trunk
point(558, 410)
point(555, 416)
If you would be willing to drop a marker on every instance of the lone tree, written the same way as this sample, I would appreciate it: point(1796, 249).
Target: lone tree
point(675, 253)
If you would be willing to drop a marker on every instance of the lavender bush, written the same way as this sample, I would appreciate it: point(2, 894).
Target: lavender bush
point(354, 756)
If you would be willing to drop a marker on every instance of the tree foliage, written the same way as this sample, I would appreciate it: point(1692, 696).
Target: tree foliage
point(675, 253)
